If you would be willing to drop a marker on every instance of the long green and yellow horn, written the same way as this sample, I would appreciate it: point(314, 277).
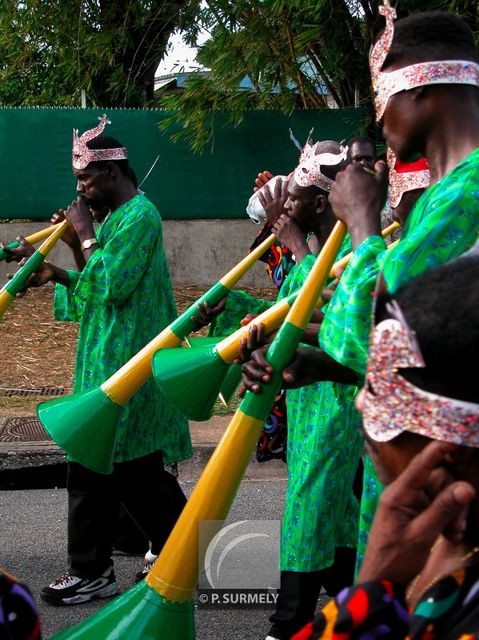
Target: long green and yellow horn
point(38, 236)
point(193, 379)
point(17, 283)
point(84, 424)
point(161, 607)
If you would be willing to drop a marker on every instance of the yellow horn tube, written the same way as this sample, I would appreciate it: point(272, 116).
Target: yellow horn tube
point(18, 282)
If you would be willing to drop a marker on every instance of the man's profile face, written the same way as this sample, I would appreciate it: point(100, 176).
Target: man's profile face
point(404, 125)
point(363, 153)
point(91, 183)
point(300, 205)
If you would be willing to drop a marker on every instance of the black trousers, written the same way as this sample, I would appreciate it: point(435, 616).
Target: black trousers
point(129, 538)
point(299, 592)
point(151, 495)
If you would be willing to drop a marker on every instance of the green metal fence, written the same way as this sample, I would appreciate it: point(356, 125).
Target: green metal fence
point(35, 161)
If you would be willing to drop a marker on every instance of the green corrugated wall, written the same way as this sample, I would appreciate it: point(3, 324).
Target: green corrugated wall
point(35, 160)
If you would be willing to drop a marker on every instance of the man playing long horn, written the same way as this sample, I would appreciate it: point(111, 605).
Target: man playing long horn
point(122, 298)
point(321, 512)
point(324, 445)
point(420, 576)
point(425, 74)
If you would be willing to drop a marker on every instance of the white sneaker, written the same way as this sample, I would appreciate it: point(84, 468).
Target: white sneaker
point(70, 589)
point(150, 560)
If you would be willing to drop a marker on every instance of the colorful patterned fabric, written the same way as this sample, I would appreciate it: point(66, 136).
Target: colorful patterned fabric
point(443, 224)
point(279, 259)
point(324, 447)
point(448, 610)
point(272, 441)
point(273, 438)
point(18, 611)
point(279, 262)
point(123, 298)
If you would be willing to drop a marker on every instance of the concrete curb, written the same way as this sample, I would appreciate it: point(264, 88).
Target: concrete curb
point(27, 456)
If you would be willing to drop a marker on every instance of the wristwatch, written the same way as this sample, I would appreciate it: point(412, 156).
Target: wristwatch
point(86, 244)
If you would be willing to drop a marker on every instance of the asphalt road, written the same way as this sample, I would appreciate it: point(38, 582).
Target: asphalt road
point(33, 547)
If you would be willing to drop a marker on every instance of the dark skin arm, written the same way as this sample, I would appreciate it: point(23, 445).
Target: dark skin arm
point(357, 198)
point(206, 314)
point(308, 366)
point(290, 235)
point(285, 228)
point(46, 272)
point(424, 502)
point(20, 253)
point(81, 219)
point(256, 337)
point(310, 336)
point(273, 200)
point(71, 239)
point(261, 179)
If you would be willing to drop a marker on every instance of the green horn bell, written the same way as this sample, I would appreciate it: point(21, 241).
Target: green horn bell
point(84, 425)
point(191, 379)
point(230, 383)
point(233, 375)
point(138, 614)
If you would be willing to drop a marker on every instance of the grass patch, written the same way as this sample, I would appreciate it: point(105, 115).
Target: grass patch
point(39, 351)
point(220, 409)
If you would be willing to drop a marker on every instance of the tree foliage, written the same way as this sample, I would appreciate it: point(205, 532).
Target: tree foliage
point(52, 49)
point(294, 52)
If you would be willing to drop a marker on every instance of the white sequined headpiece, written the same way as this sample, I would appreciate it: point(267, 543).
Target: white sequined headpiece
point(386, 84)
point(406, 176)
point(392, 404)
point(308, 172)
point(82, 155)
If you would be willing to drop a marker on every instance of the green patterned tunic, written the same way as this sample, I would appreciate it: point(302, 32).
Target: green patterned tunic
point(238, 305)
point(323, 449)
point(123, 298)
point(324, 446)
point(443, 224)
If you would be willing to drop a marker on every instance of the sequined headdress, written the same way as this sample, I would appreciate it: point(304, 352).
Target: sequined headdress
point(386, 84)
point(392, 405)
point(406, 176)
point(82, 155)
point(308, 172)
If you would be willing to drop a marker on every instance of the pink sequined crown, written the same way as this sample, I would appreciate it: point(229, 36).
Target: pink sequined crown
point(406, 176)
point(82, 155)
point(392, 405)
point(379, 53)
point(308, 172)
point(386, 84)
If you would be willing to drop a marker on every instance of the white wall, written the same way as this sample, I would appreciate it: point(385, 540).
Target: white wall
point(199, 252)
